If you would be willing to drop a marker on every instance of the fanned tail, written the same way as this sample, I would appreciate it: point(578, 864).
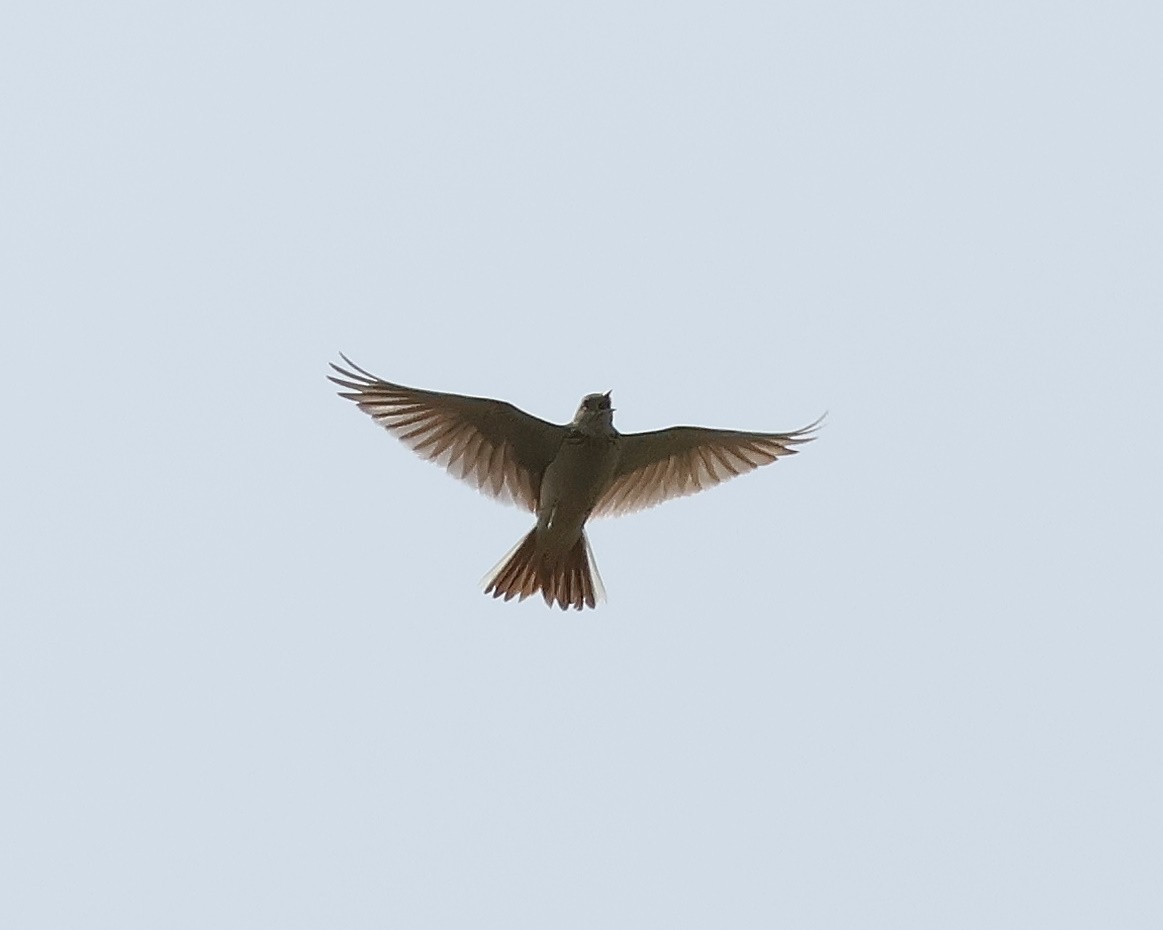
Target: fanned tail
point(569, 580)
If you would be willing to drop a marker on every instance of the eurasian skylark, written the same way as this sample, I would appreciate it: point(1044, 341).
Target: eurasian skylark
point(563, 474)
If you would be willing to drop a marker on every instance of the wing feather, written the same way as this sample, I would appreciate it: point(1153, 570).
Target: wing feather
point(490, 444)
point(657, 466)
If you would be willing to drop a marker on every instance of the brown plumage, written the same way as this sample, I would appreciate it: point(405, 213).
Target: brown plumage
point(563, 474)
point(570, 580)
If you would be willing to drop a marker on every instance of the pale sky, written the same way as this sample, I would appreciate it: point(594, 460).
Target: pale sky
point(909, 678)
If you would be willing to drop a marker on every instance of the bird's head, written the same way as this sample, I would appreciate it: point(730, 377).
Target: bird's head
point(595, 414)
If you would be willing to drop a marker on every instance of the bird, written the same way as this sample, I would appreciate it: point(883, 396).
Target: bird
point(564, 474)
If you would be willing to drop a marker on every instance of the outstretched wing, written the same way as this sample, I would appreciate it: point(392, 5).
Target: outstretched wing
point(654, 467)
point(490, 444)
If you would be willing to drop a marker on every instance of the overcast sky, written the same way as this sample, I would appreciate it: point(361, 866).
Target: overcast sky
point(909, 678)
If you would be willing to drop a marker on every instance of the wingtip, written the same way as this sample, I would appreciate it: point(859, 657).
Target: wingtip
point(808, 433)
point(353, 371)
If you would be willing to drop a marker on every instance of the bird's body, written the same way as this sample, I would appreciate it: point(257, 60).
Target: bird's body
point(563, 474)
point(573, 482)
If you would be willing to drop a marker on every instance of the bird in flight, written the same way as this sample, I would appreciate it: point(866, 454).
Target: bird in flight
point(563, 474)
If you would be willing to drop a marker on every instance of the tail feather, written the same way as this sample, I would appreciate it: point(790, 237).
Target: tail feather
point(569, 580)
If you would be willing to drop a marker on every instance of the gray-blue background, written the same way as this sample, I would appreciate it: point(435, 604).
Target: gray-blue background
point(909, 678)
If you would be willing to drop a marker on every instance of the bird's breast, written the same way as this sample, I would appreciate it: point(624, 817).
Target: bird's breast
point(573, 483)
